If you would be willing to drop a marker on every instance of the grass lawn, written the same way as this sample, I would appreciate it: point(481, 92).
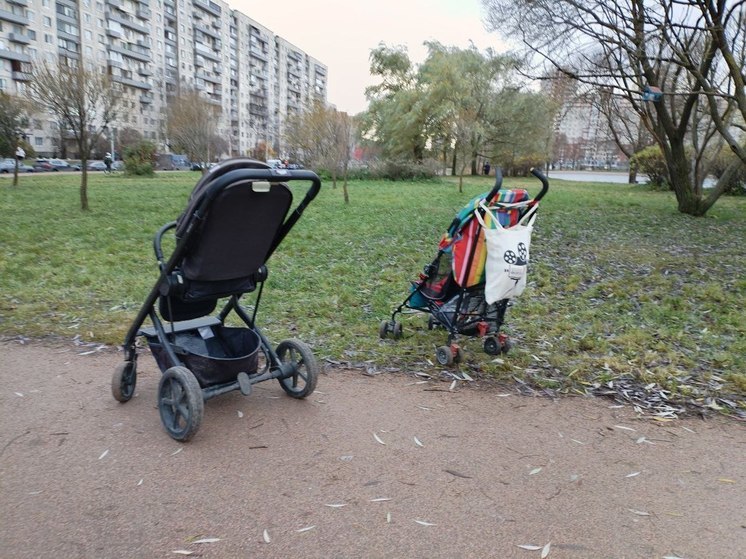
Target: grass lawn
point(625, 293)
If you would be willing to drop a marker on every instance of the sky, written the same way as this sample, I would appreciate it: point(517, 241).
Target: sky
point(341, 34)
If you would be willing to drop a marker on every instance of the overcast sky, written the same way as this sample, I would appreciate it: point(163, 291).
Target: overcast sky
point(341, 33)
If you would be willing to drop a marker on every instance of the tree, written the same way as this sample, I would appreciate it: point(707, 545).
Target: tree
point(191, 126)
point(128, 138)
point(14, 113)
point(324, 138)
point(631, 50)
point(84, 102)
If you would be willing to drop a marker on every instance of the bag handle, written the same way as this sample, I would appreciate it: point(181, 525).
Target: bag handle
point(526, 221)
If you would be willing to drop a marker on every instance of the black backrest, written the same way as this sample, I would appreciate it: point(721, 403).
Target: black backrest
point(233, 240)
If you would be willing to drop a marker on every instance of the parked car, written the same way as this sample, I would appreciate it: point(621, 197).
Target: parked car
point(8, 166)
point(96, 166)
point(43, 164)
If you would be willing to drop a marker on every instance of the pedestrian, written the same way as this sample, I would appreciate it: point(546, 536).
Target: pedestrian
point(107, 162)
point(486, 168)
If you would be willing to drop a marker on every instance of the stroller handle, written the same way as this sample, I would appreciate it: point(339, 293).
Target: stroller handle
point(534, 171)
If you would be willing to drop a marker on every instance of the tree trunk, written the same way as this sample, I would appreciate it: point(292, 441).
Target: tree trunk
point(455, 157)
point(632, 175)
point(84, 186)
point(15, 173)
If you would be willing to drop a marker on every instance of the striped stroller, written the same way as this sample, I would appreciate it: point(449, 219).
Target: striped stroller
point(451, 288)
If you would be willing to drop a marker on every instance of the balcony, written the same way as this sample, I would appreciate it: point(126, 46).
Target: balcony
point(146, 98)
point(19, 2)
point(21, 76)
point(115, 4)
point(13, 18)
point(131, 52)
point(19, 38)
point(145, 72)
point(209, 7)
point(113, 33)
point(132, 83)
point(208, 77)
point(207, 30)
point(129, 22)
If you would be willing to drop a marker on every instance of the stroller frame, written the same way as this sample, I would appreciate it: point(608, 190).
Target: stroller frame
point(464, 317)
point(226, 358)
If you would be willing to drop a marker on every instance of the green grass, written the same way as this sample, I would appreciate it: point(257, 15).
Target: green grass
point(621, 284)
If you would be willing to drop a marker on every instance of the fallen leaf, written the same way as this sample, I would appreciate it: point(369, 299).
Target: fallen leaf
point(378, 439)
point(240, 414)
point(529, 547)
point(175, 452)
point(453, 385)
point(140, 482)
point(265, 535)
point(336, 505)
point(417, 442)
point(467, 377)
point(534, 471)
point(424, 523)
point(306, 529)
point(19, 394)
point(633, 474)
point(206, 540)
point(623, 427)
point(380, 499)
point(388, 517)
point(104, 454)
point(726, 480)
point(639, 512)
point(183, 552)
point(545, 550)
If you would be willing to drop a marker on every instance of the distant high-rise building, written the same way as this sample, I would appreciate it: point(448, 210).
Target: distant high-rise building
point(154, 48)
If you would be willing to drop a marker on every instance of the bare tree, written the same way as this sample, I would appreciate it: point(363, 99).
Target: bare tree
point(324, 137)
point(84, 102)
point(632, 49)
point(14, 116)
point(191, 126)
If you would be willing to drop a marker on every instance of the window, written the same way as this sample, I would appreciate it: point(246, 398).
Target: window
point(47, 21)
point(38, 141)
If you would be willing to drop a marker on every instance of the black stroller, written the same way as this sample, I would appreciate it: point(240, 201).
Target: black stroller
point(451, 288)
point(237, 215)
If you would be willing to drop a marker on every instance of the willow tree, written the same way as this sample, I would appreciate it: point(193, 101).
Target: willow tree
point(657, 55)
point(84, 102)
point(191, 126)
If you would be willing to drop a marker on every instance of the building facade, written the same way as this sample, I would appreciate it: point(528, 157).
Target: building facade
point(154, 49)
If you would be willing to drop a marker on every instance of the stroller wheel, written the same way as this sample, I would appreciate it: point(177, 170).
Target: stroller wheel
point(123, 381)
point(492, 346)
point(444, 355)
point(383, 329)
point(305, 370)
point(180, 403)
point(397, 330)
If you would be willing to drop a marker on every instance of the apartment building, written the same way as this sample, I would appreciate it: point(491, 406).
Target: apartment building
point(153, 49)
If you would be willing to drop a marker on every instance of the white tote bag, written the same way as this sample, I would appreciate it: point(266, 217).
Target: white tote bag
point(507, 255)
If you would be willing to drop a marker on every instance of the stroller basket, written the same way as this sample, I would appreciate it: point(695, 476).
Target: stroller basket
point(214, 354)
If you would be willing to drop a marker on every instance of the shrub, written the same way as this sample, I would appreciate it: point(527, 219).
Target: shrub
point(721, 162)
point(650, 161)
point(139, 159)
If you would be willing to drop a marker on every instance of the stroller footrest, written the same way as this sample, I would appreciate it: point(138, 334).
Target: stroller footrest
point(182, 326)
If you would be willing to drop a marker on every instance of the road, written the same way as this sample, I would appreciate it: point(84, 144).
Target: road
point(383, 466)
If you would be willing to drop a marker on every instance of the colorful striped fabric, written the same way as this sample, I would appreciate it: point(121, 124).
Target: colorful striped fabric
point(465, 238)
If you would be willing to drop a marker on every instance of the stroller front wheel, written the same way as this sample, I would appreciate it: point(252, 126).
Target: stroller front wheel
point(444, 355)
point(123, 381)
point(180, 403)
point(304, 366)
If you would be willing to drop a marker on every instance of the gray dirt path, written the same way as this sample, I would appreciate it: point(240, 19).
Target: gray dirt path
point(82, 476)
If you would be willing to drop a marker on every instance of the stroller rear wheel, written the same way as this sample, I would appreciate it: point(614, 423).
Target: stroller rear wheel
point(305, 375)
point(123, 381)
point(180, 403)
